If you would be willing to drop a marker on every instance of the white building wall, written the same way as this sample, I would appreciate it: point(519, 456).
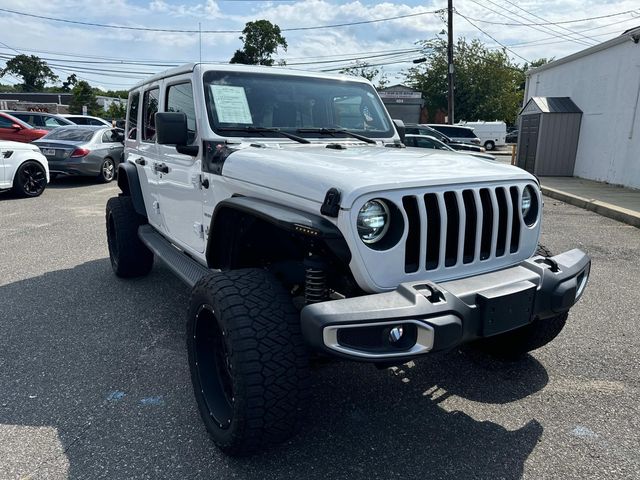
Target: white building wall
point(605, 85)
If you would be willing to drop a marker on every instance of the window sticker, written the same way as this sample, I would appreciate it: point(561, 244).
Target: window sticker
point(231, 104)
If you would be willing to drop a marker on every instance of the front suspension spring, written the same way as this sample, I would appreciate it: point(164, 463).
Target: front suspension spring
point(315, 289)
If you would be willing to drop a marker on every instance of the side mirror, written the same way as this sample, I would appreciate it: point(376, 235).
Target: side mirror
point(171, 129)
point(15, 126)
point(400, 128)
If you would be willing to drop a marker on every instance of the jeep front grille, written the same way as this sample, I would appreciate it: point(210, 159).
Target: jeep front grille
point(461, 227)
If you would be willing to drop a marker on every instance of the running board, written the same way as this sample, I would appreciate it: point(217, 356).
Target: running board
point(186, 268)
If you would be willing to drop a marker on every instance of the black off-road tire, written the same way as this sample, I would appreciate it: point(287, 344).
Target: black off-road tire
point(30, 179)
point(517, 342)
point(249, 364)
point(129, 256)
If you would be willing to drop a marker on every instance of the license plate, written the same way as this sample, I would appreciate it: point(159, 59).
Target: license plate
point(506, 308)
point(49, 152)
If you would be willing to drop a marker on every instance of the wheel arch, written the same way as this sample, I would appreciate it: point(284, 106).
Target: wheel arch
point(26, 159)
point(129, 184)
point(231, 216)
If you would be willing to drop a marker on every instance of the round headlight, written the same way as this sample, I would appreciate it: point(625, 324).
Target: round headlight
point(529, 206)
point(373, 221)
point(526, 201)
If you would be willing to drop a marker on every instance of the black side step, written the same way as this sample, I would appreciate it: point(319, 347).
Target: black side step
point(186, 268)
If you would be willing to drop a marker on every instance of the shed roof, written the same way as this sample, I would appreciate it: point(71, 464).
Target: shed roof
point(550, 105)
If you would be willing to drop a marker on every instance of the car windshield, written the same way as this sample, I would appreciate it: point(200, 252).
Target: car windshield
point(297, 104)
point(71, 134)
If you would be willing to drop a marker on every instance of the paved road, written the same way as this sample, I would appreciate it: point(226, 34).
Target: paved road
point(94, 377)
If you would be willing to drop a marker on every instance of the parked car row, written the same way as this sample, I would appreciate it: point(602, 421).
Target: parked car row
point(36, 147)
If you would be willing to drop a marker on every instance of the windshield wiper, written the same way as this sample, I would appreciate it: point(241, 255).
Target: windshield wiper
point(333, 131)
point(264, 130)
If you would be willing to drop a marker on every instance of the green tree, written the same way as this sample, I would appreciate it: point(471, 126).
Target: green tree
point(261, 40)
point(363, 69)
point(488, 85)
point(71, 81)
point(33, 71)
point(116, 111)
point(83, 95)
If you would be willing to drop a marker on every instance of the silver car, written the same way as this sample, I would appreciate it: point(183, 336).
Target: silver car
point(83, 150)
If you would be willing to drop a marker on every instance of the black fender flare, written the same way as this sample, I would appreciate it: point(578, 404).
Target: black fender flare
point(286, 218)
point(129, 183)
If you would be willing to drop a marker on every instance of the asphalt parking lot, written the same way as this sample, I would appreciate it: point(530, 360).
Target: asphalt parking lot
point(94, 379)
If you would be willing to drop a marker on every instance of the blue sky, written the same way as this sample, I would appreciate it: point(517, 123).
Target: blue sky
point(71, 47)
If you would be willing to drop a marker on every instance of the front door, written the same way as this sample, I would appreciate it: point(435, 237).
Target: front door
point(180, 189)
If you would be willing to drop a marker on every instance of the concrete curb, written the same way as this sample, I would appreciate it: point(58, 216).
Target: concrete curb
point(605, 209)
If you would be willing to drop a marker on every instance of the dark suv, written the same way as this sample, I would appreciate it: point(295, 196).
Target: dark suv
point(43, 120)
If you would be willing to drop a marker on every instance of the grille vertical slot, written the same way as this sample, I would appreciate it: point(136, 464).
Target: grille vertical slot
point(453, 226)
point(502, 221)
point(433, 231)
point(487, 224)
point(471, 225)
point(516, 225)
point(412, 245)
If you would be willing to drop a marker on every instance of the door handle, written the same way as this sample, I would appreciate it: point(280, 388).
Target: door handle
point(141, 161)
point(161, 167)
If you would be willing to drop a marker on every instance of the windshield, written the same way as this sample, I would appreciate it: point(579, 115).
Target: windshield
point(71, 134)
point(292, 103)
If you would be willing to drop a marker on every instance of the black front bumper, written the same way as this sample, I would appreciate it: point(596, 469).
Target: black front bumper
point(440, 316)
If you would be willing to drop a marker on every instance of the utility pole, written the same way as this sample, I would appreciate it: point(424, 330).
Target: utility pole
point(450, 109)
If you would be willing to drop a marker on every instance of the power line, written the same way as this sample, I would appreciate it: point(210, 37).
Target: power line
point(545, 20)
point(174, 30)
point(543, 29)
point(492, 38)
point(553, 23)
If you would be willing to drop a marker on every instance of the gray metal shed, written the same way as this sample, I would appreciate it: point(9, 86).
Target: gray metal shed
point(548, 138)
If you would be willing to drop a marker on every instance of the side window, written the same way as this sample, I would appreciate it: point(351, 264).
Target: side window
point(180, 99)
point(110, 136)
point(132, 116)
point(53, 122)
point(149, 109)
point(424, 143)
point(5, 122)
point(410, 141)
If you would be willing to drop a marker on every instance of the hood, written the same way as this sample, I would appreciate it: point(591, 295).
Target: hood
point(9, 145)
point(308, 171)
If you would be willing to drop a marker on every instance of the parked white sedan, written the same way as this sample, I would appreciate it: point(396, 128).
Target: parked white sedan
point(23, 168)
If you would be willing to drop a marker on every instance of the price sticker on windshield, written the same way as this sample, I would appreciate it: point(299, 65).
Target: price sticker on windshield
point(231, 104)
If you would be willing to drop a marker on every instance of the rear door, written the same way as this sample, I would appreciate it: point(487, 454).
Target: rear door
point(140, 147)
point(179, 178)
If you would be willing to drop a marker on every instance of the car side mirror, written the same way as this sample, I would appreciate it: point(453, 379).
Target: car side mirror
point(400, 128)
point(171, 129)
point(15, 126)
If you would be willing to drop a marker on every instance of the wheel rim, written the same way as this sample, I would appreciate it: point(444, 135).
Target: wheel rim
point(32, 179)
point(213, 365)
point(108, 169)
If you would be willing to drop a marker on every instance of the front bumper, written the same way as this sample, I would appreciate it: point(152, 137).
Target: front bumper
point(438, 317)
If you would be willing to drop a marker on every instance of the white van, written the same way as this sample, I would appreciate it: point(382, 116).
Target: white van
point(491, 134)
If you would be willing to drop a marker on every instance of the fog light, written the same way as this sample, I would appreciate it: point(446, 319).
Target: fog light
point(395, 334)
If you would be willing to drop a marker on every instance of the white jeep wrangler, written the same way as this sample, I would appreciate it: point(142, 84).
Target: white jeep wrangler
point(289, 204)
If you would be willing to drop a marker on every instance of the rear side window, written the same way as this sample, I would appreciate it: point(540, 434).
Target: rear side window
point(180, 99)
point(149, 110)
point(132, 116)
point(465, 133)
point(81, 121)
point(5, 122)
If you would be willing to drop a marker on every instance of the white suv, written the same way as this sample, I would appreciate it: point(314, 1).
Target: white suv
point(23, 168)
point(287, 202)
